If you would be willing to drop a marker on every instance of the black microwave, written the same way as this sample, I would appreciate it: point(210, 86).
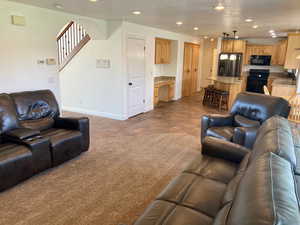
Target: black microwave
point(260, 60)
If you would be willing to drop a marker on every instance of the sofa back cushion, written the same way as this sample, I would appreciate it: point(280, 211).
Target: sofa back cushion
point(259, 107)
point(36, 109)
point(275, 136)
point(266, 194)
point(8, 116)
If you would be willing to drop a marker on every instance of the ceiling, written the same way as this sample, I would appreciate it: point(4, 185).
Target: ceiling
point(278, 15)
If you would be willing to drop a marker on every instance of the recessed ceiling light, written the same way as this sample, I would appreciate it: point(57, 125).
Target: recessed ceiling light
point(274, 36)
point(271, 31)
point(58, 6)
point(248, 20)
point(236, 37)
point(212, 39)
point(93, 0)
point(179, 23)
point(196, 28)
point(219, 7)
point(205, 37)
point(136, 12)
point(255, 26)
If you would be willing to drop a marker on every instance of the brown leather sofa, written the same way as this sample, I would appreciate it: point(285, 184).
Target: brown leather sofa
point(33, 136)
point(248, 112)
point(231, 185)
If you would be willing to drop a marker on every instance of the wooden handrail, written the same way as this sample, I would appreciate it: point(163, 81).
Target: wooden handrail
point(65, 30)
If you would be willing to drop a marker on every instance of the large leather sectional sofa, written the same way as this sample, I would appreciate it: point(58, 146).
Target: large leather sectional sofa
point(248, 112)
point(229, 184)
point(33, 136)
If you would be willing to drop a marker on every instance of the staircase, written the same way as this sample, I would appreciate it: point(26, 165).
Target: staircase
point(69, 42)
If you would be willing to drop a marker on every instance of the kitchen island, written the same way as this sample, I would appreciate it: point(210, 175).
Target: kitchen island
point(234, 85)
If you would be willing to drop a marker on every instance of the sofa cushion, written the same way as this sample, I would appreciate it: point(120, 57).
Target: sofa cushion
point(213, 168)
point(167, 213)
point(275, 136)
point(225, 133)
point(266, 194)
point(40, 124)
point(16, 164)
point(199, 193)
point(259, 107)
point(8, 116)
point(65, 144)
point(241, 121)
point(33, 105)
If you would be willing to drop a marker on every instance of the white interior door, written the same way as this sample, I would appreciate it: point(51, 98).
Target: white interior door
point(136, 76)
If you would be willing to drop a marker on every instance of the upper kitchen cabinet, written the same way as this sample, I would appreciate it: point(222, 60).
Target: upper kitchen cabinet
point(280, 54)
point(162, 51)
point(262, 50)
point(293, 50)
point(234, 46)
point(227, 46)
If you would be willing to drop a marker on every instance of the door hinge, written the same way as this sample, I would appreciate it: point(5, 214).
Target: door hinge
point(144, 101)
point(144, 48)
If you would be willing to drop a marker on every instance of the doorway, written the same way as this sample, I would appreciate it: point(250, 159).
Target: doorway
point(135, 54)
point(190, 69)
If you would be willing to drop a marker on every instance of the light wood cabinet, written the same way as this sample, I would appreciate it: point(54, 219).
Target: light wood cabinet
point(227, 45)
point(234, 46)
point(164, 91)
point(280, 54)
point(190, 69)
point(293, 50)
point(162, 51)
point(262, 50)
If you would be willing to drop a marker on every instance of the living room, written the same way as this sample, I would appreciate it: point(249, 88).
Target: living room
point(144, 113)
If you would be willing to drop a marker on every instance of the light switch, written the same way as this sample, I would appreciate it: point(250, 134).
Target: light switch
point(50, 61)
point(18, 20)
point(103, 63)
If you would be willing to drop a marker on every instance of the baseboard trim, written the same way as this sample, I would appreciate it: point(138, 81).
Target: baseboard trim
point(95, 113)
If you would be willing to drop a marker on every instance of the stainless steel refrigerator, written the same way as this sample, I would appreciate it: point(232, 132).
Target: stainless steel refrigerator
point(230, 64)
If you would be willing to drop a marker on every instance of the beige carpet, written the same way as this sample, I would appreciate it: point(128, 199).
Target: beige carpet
point(109, 185)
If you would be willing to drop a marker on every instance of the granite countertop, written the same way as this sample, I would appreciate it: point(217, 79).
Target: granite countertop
point(163, 78)
point(226, 80)
point(284, 82)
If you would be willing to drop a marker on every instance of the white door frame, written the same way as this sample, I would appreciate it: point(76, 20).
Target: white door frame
point(138, 37)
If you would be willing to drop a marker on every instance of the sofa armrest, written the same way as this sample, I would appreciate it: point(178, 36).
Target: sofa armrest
point(245, 136)
point(219, 148)
point(21, 134)
point(214, 120)
point(81, 124)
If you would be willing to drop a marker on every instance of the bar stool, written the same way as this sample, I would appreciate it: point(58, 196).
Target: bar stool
point(208, 95)
point(223, 99)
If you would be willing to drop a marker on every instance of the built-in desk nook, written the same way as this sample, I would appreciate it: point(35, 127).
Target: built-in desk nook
point(164, 87)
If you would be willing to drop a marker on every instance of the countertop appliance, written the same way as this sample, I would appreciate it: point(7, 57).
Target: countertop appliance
point(230, 64)
point(257, 79)
point(260, 60)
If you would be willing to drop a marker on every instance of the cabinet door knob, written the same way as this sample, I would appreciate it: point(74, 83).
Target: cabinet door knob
point(130, 84)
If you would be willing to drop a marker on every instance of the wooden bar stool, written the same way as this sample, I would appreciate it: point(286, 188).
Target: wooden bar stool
point(208, 96)
point(221, 100)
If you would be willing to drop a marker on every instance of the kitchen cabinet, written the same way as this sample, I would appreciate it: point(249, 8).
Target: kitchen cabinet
point(235, 46)
point(261, 50)
point(293, 50)
point(191, 69)
point(162, 51)
point(280, 54)
point(164, 89)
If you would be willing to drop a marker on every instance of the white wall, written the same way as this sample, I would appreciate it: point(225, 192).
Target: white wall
point(97, 91)
point(81, 85)
point(149, 34)
point(22, 46)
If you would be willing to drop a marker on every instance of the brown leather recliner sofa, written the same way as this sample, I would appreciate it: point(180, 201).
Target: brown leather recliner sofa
point(247, 113)
point(229, 184)
point(33, 136)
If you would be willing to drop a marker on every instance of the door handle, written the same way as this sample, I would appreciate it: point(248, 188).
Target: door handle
point(129, 83)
